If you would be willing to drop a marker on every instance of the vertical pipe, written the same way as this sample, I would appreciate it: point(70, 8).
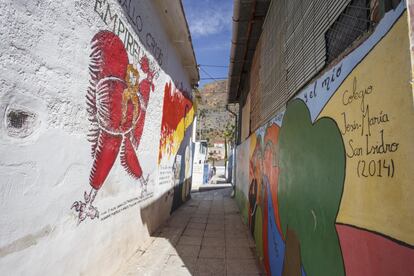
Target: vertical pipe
point(235, 145)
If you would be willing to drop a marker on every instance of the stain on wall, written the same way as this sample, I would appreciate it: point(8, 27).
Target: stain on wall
point(20, 123)
point(331, 176)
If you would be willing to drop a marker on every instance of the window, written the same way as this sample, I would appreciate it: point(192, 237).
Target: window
point(351, 24)
point(356, 20)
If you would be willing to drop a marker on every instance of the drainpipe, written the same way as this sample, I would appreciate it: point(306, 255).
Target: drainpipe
point(234, 41)
point(235, 151)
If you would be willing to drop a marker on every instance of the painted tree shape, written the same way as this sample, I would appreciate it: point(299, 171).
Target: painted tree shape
point(312, 172)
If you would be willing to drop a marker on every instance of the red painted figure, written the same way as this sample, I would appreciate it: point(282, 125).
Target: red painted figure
point(116, 107)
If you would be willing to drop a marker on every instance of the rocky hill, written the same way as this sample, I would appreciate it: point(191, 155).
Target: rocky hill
point(213, 118)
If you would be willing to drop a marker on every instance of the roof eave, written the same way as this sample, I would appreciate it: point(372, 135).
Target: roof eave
point(174, 21)
point(248, 18)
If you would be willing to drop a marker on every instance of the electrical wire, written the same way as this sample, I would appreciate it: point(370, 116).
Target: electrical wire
point(210, 76)
point(209, 65)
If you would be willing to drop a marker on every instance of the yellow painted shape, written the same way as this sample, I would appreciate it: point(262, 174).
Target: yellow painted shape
point(130, 93)
point(382, 204)
point(175, 139)
point(410, 9)
point(253, 140)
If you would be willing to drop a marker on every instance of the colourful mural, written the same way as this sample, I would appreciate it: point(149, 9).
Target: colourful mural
point(175, 142)
point(178, 116)
point(312, 161)
point(116, 103)
point(330, 184)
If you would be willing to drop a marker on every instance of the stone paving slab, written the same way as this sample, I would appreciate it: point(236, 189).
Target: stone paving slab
point(206, 236)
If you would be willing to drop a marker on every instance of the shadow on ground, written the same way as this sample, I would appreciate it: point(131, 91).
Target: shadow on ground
point(206, 236)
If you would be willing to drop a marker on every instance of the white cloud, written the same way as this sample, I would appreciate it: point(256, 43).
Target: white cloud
point(209, 21)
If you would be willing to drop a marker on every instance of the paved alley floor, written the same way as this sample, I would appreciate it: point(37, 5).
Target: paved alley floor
point(206, 236)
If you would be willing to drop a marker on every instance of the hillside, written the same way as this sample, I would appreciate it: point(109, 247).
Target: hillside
point(213, 117)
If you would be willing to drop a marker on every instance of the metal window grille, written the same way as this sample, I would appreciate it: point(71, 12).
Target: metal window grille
point(293, 48)
point(351, 24)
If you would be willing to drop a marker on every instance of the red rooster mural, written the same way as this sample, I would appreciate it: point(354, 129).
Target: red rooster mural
point(116, 104)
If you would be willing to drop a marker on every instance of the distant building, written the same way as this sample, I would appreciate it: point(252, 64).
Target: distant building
point(199, 163)
point(217, 151)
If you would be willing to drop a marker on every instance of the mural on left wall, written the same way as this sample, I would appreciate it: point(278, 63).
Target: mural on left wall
point(116, 103)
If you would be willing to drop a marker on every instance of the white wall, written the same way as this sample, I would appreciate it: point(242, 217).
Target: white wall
point(45, 165)
point(200, 156)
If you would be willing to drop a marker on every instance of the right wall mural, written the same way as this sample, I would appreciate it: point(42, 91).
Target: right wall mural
point(330, 182)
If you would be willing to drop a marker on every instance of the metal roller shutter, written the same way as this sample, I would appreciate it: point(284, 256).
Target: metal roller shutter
point(293, 50)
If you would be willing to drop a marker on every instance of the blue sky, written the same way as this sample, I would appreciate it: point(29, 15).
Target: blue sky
point(210, 23)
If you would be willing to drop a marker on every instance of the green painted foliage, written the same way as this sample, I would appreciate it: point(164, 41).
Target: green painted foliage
point(258, 232)
point(312, 172)
point(243, 204)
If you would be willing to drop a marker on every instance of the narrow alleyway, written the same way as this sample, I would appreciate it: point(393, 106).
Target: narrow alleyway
point(206, 236)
